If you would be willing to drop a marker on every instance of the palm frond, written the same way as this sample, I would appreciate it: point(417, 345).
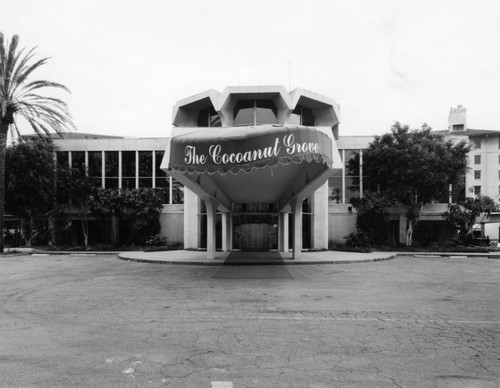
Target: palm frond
point(20, 68)
point(27, 71)
point(52, 115)
point(11, 56)
point(18, 96)
point(38, 97)
point(2, 50)
point(33, 85)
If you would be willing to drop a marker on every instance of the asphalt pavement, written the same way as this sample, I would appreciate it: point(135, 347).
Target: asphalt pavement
point(90, 320)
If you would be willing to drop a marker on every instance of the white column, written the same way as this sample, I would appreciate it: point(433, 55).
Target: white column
point(136, 169)
point(283, 232)
point(103, 171)
point(120, 169)
point(154, 169)
point(402, 228)
point(343, 176)
point(211, 220)
point(320, 218)
point(297, 228)
point(227, 231)
point(191, 220)
point(361, 173)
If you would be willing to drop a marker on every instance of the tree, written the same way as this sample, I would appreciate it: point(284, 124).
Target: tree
point(133, 214)
point(411, 168)
point(372, 217)
point(464, 215)
point(19, 97)
point(30, 182)
point(78, 189)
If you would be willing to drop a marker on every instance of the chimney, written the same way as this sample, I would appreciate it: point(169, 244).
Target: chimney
point(457, 119)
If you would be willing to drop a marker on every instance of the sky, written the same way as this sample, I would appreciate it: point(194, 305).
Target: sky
point(127, 62)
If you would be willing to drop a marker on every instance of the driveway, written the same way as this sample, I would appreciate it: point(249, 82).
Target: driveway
point(102, 322)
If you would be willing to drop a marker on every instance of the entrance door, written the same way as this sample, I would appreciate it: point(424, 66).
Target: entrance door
point(255, 232)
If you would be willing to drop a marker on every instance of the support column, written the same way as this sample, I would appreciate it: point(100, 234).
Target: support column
point(211, 220)
point(283, 241)
point(191, 220)
point(483, 230)
point(297, 228)
point(227, 231)
point(320, 218)
point(402, 228)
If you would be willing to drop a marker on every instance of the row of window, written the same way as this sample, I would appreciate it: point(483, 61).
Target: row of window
point(477, 143)
point(124, 169)
point(478, 159)
point(255, 112)
point(339, 185)
point(477, 190)
point(477, 174)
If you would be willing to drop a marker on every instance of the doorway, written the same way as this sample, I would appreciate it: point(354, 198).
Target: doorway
point(255, 231)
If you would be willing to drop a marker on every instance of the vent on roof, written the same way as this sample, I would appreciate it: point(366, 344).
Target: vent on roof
point(457, 119)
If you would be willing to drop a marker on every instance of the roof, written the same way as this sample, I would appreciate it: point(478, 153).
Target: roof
point(469, 132)
point(70, 135)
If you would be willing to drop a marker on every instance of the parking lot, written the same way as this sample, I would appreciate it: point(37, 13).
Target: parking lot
point(83, 320)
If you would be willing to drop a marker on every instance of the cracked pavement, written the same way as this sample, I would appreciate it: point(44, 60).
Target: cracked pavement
point(99, 321)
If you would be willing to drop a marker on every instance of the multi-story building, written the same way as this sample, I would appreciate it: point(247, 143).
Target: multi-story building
point(483, 176)
point(222, 194)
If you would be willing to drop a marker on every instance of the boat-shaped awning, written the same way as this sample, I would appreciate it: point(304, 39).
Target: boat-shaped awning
point(266, 163)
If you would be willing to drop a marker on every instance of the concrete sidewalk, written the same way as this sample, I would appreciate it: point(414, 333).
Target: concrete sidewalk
point(199, 258)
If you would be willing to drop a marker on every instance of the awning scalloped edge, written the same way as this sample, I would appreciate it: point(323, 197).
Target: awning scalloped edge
point(250, 166)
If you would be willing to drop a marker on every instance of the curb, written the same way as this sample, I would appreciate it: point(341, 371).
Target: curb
point(253, 263)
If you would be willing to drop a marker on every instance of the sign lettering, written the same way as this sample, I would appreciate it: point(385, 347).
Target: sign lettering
point(216, 154)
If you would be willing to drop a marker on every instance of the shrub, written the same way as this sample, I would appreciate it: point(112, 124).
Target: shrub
point(156, 241)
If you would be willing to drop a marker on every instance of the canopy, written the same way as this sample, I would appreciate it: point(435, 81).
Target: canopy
point(222, 150)
point(267, 163)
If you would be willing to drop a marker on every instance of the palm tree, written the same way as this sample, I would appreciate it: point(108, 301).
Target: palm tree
point(19, 98)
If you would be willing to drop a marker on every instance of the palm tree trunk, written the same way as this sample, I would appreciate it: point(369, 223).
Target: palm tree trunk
point(4, 128)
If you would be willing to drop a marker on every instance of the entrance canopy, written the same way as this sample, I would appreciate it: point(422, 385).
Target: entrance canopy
point(266, 163)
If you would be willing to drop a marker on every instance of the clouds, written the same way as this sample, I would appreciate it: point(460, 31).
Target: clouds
point(127, 62)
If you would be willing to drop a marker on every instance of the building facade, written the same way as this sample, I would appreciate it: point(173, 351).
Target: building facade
point(293, 203)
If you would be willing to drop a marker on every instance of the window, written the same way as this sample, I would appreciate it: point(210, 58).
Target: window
point(477, 174)
point(477, 190)
point(265, 112)
point(255, 112)
point(62, 165)
point(145, 168)
point(62, 159)
point(340, 185)
point(477, 144)
point(78, 160)
point(458, 127)
point(128, 169)
point(95, 167)
point(208, 118)
point(335, 189)
point(307, 223)
point(111, 169)
point(162, 181)
point(177, 192)
point(302, 116)
point(477, 159)
point(350, 180)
